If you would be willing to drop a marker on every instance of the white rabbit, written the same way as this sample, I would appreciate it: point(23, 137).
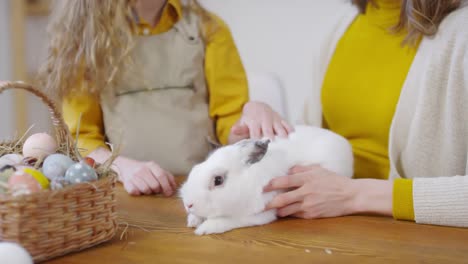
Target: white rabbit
point(226, 191)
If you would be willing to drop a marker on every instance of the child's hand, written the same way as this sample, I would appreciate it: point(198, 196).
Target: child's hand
point(144, 177)
point(259, 120)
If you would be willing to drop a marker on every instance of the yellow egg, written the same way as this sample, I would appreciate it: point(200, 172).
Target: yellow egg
point(40, 178)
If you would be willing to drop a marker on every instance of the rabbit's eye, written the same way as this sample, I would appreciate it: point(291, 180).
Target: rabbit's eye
point(218, 180)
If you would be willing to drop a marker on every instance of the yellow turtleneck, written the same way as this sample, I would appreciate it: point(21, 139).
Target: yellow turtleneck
point(361, 90)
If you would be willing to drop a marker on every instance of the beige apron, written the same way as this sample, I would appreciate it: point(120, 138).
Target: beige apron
point(166, 121)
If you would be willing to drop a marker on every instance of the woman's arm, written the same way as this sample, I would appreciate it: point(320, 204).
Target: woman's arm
point(441, 200)
point(372, 196)
point(319, 193)
point(403, 208)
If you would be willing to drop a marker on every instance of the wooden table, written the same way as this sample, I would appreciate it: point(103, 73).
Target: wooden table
point(156, 233)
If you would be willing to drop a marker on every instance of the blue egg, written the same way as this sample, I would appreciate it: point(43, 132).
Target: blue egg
point(58, 183)
point(80, 172)
point(56, 165)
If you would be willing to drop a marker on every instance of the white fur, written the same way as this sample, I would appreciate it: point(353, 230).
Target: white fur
point(240, 202)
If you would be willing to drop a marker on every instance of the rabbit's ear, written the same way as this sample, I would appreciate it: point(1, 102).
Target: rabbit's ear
point(259, 150)
point(213, 143)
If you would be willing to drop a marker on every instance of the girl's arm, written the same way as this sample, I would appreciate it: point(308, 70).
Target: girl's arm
point(226, 79)
point(228, 88)
point(91, 128)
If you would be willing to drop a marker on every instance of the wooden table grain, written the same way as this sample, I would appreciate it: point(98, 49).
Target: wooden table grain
point(152, 230)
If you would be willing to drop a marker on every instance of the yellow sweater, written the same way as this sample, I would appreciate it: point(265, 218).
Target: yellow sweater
point(360, 92)
point(224, 73)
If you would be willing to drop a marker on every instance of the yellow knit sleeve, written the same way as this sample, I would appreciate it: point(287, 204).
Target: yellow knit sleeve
point(91, 130)
point(226, 80)
point(403, 208)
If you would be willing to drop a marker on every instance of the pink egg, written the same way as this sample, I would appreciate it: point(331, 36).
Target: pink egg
point(22, 183)
point(39, 146)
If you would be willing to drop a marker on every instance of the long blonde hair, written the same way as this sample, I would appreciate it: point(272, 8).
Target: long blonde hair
point(419, 17)
point(91, 40)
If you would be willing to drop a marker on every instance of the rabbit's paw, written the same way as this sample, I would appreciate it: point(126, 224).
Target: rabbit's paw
point(194, 221)
point(214, 226)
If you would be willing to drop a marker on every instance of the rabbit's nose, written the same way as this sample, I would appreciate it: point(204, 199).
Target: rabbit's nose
point(190, 206)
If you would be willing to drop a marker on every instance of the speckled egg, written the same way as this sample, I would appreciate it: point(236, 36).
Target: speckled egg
point(56, 165)
point(80, 172)
point(40, 178)
point(21, 183)
point(10, 159)
point(39, 146)
point(58, 183)
point(6, 172)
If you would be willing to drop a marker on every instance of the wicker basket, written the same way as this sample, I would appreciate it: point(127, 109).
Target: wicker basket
point(53, 223)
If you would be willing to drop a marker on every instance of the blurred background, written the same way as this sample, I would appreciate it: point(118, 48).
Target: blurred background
point(22, 49)
point(278, 41)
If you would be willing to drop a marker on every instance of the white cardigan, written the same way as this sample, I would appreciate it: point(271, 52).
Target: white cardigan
point(429, 133)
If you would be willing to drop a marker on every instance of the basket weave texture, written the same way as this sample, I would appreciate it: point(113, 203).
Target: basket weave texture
point(53, 223)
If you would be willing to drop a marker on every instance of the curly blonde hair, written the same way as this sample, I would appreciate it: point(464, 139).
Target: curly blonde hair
point(91, 40)
point(418, 17)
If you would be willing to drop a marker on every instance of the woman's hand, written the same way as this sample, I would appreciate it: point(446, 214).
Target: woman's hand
point(139, 177)
point(315, 192)
point(259, 120)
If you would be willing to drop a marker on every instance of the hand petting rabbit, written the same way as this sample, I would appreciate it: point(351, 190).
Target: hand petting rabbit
point(226, 191)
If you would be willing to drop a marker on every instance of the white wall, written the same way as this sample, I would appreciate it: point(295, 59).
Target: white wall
point(6, 99)
point(36, 52)
point(37, 113)
point(279, 36)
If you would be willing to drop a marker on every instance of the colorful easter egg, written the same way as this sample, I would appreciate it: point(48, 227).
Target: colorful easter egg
point(21, 183)
point(29, 161)
point(39, 146)
point(10, 159)
point(21, 167)
point(80, 172)
point(6, 172)
point(40, 178)
point(90, 161)
point(56, 165)
point(58, 183)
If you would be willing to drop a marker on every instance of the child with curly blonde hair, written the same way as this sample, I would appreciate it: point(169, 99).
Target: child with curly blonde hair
point(157, 78)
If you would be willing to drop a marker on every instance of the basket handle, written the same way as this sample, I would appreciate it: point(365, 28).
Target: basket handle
point(61, 129)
